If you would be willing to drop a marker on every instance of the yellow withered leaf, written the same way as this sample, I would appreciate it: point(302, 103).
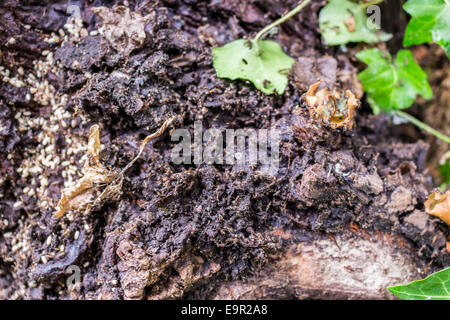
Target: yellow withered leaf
point(438, 205)
point(335, 109)
point(83, 196)
point(98, 184)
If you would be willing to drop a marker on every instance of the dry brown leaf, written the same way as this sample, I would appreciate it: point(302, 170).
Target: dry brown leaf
point(352, 104)
point(83, 197)
point(324, 105)
point(438, 205)
point(124, 29)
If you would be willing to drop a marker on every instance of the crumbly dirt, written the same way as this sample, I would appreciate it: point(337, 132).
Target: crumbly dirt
point(180, 231)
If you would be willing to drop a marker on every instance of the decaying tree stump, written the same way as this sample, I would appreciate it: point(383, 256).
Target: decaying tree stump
point(342, 218)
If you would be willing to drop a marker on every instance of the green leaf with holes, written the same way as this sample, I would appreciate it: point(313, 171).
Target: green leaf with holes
point(430, 22)
point(262, 62)
point(343, 21)
point(433, 287)
point(392, 85)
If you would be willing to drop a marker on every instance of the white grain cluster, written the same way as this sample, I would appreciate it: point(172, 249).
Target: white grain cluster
point(42, 163)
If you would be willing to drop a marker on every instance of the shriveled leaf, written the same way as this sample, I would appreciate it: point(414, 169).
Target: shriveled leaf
point(124, 29)
point(335, 109)
point(99, 184)
point(438, 205)
point(261, 62)
point(83, 196)
point(433, 287)
point(430, 22)
point(392, 86)
point(344, 21)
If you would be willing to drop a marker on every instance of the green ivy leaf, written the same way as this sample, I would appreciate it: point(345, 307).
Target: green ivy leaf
point(392, 86)
point(445, 173)
point(343, 21)
point(433, 287)
point(430, 22)
point(262, 62)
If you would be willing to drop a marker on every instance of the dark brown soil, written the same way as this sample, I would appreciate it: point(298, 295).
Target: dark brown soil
point(179, 231)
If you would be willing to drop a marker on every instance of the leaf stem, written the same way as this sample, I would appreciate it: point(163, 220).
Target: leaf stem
point(423, 126)
point(290, 14)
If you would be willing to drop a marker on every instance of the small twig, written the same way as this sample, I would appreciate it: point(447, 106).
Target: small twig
point(423, 126)
point(144, 142)
point(290, 14)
